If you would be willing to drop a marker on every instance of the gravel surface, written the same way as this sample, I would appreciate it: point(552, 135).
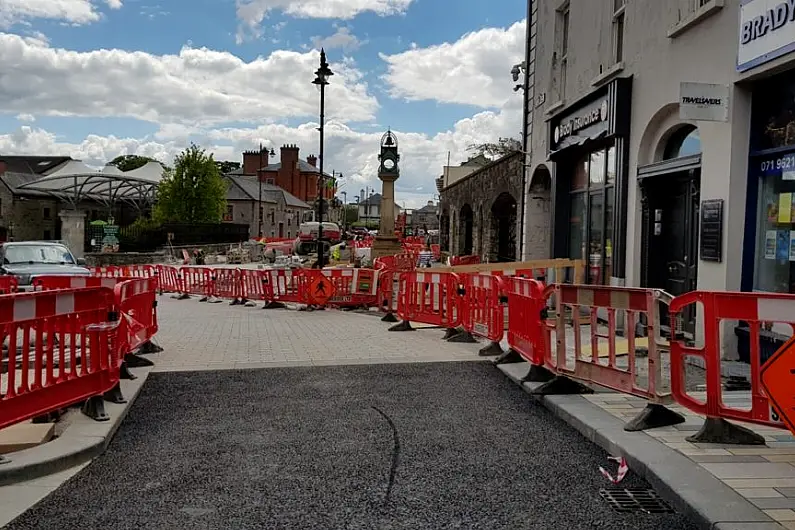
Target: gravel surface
point(447, 445)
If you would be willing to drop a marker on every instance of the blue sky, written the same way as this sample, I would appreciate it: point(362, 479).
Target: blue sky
point(450, 84)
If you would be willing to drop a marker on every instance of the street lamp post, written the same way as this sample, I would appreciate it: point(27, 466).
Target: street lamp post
point(322, 74)
point(344, 209)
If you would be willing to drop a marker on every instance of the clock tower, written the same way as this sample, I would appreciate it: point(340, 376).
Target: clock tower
point(386, 243)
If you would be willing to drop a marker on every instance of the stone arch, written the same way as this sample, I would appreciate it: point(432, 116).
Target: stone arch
point(503, 228)
point(539, 214)
point(662, 126)
point(467, 224)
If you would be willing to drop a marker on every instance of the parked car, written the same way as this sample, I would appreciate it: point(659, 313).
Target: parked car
point(28, 259)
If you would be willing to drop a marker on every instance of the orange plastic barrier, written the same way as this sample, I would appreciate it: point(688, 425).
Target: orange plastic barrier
point(169, 279)
point(136, 302)
point(430, 298)
point(353, 287)
point(111, 271)
point(464, 260)
point(227, 283)
point(597, 303)
point(8, 284)
point(483, 312)
point(526, 304)
point(197, 281)
point(759, 310)
point(49, 374)
point(49, 283)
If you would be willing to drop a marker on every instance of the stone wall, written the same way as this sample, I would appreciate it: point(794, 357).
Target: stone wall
point(480, 191)
point(99, 259)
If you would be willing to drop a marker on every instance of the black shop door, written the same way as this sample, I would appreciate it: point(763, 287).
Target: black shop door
point(671, 204)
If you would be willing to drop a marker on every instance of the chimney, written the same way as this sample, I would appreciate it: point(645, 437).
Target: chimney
point(251, 161)
point(312, 160)
point(289, 156)
point(430, 203)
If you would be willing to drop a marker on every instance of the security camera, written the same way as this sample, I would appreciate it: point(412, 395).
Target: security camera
point(515, 73)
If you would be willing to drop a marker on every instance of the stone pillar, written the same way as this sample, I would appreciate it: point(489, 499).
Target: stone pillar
point(387, 224)
point(73, 230)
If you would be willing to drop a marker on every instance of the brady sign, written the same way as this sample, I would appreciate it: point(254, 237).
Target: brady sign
point(767, 31)
point(576, 123)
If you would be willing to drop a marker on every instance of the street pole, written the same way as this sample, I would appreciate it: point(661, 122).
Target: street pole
point(323, 73)
point(259, 204)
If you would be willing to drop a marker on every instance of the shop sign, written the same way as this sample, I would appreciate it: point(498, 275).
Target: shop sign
point(703, 102)
point(581, 120)
point(767, 31)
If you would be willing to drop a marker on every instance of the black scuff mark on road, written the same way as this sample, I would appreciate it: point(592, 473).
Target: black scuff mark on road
point(395, 454)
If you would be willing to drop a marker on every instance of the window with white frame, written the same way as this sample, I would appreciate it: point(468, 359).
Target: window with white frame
point(562, 27)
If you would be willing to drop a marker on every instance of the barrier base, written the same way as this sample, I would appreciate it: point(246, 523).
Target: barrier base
point(449, 333)
point(50, 417)
point(560, 385)
point(114, 395)
point(250, 303)
point(538, 374)
point(214, 300)
point(389, 317)
point(493, 349)
point(4, 460)
point(652, 417)
point(183, 296)
point(235, 302)
point(509, 357)
point(149, 347)
point(720, 431)
point(125, 373)
point(94, 408)
point(463, 337)
point(273, 305)
point(134, 361)
point(204, 298)
point(404, 325)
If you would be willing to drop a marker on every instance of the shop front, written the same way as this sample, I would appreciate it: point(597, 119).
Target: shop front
point(589, 145)
point(769, 257)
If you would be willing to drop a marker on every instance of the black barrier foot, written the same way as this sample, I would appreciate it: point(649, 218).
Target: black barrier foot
point(492, 350)
point(389, 317)
point(114, 395)
point(4, 460)
point(273, 305)
point(235, 302)
point(135, 361)
point(125, 373)
point(509, 357)
point(449, 333)
point(720, 431)
point(405, 325)
point(562, 386)
point(538, 374)
point(183, 296)
point(464, 337)
point(50, 417)
point(94, 408)
point(149, 347)
point(204, 298)
point(652, 417)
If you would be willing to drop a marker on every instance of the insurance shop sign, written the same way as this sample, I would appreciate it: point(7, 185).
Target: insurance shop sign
point(767, 31)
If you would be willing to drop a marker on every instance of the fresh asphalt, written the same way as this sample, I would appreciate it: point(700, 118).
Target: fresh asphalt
point(443, 445)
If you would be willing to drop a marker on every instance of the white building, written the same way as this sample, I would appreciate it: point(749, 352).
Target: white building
point(668, 131)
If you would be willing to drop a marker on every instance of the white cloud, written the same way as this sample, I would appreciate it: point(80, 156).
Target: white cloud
point(71, 11)
point(475, 70)
point(342, 38)
point(196, 87)
point(251, 13)
point(178, 92)
point(28, 118)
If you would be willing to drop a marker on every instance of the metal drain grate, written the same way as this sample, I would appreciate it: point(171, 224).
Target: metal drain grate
point(629, 500)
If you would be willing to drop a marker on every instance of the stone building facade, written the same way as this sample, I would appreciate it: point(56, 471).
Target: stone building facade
point(281, 211)
point(480, 213)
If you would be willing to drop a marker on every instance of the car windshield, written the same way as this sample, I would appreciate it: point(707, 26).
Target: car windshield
point(49, 254)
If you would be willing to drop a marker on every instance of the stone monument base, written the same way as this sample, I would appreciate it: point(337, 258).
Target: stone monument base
point(385, 246)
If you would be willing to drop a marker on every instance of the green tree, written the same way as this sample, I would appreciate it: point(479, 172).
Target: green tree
point(227, 167)
point(504, 146)
point(130, 162)
point(351, 214)
point(193, 192)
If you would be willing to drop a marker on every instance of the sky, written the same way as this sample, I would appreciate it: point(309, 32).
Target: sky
point(94, 79)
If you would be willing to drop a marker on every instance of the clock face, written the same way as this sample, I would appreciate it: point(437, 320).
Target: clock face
point(389, 163)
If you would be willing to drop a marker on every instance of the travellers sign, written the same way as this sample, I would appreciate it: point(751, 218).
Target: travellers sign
point(703, 102)
point(767, 31)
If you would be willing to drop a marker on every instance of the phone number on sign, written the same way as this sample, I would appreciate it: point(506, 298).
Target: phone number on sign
point(785, 163)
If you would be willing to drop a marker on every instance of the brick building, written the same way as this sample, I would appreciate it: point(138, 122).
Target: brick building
point(295, 176)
